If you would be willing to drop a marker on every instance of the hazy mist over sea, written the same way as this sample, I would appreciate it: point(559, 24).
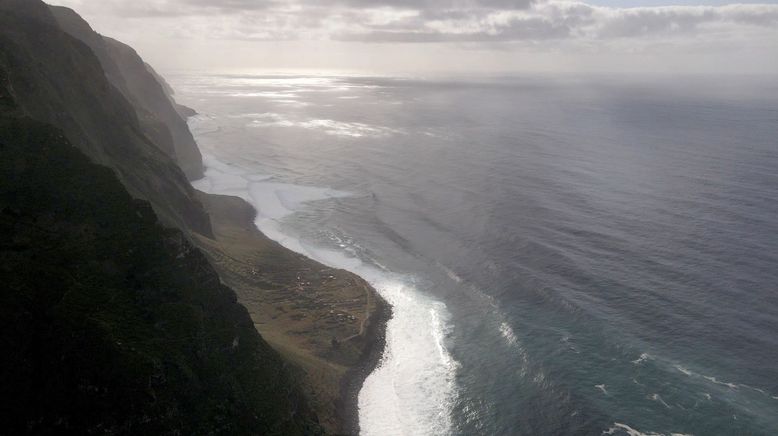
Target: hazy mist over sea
point(564, 255)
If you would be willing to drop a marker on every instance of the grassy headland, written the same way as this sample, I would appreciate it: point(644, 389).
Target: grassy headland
point(327, 322)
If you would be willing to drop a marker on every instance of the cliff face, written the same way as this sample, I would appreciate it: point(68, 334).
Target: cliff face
point(112, 324)
point(26, 8)
point(183, 111)
point(141, 87)
point(57, 79)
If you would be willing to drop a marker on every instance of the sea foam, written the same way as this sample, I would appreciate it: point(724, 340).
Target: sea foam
point(413, 389)
point(619, 428)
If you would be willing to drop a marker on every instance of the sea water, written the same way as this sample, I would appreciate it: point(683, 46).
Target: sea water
point(563, 255)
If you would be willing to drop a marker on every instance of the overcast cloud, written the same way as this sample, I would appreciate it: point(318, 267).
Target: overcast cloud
point(541, 28)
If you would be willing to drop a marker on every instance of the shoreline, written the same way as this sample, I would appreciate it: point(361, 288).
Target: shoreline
point(291, 299)
point(375, 337)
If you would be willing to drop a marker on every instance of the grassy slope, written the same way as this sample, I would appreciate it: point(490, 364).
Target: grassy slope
point(327, 322)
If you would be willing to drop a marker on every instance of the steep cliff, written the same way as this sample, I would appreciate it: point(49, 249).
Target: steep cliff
point(60, 81)
point(110, 321)
point(184, 111)
point(113, 324)
point(141, 87)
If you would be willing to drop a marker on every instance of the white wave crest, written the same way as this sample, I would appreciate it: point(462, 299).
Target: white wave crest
point(508, 334)
point(643, 357)
point(414, 388)
point(683, 370)
point(625, 429)
point(658, 399)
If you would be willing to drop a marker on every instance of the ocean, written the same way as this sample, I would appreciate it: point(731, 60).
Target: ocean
point(564, 255)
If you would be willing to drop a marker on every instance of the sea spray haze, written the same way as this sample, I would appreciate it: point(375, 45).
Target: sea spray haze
point(564, 256)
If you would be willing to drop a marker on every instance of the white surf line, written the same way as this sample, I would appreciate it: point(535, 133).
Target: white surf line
point(643, 357)
point(658, 398)
point(617, 426)
point(411, 391)
point(731, 385)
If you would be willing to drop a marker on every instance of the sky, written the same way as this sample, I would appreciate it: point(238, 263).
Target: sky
point(445, 36)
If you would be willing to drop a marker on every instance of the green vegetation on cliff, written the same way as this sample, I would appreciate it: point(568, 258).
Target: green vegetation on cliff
point(112, 324)
point(111, 321)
